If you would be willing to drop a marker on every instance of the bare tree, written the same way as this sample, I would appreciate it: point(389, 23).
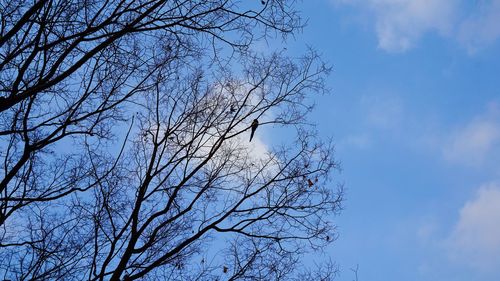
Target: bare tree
point(68, 67)
point(355, 271)
point(124, 132)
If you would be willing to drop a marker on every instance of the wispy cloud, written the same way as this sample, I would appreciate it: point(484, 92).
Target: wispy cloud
point(383, 111)
point(400, 24)
point(358, 141)
point(482, 26)
point(477, 142)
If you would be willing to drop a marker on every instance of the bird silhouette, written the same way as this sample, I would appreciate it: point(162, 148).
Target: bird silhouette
point(309, 182)
point(255, 124)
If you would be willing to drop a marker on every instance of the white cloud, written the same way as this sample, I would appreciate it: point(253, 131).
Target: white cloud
point(475, 240)
point(258, 150)
point(476, 142)
point(255, 151)
point(400, 24)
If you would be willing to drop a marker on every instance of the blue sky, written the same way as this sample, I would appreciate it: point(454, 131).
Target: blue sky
point(415, 114)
